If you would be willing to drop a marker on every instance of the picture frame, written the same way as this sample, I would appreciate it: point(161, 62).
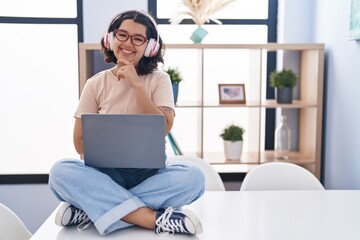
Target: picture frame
point(232, 93)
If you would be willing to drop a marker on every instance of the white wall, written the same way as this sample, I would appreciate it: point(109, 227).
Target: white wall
point(295, 21)
point(342, 84)
point(327, 22)
point(98, 14)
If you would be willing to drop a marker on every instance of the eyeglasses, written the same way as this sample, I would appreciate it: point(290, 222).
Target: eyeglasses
point(123, 36)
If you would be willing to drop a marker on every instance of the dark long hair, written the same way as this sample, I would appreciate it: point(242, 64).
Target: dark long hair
point(146, 64)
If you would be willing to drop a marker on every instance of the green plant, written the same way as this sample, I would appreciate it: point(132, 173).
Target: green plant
point(232, 133)
point(175, 75)
point(282, 79)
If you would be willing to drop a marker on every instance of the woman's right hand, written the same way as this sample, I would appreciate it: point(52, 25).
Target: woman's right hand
point(126, 70)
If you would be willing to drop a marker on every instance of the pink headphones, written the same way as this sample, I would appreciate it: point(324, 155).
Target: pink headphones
point(152, 46)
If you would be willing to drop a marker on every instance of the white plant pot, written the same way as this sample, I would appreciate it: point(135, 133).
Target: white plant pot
point(233, 150)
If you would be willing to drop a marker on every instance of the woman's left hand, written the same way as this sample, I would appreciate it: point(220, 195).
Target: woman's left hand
point(126, 70)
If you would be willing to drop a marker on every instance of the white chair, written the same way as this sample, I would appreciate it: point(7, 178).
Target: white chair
point(280, 176)
point(11, 226)
point(213, 181)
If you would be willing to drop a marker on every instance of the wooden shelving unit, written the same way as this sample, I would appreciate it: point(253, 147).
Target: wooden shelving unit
point(309, 104)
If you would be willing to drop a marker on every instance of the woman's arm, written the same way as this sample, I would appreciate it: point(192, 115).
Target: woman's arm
point(77, 137)
point(146, 106)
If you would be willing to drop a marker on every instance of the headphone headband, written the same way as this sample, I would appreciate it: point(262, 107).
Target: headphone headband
point(153, 22)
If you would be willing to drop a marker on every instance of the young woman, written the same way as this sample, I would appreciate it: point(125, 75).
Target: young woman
point(113, 198)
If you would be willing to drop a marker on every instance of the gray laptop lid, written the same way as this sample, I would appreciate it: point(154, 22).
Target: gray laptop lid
point(123, 140)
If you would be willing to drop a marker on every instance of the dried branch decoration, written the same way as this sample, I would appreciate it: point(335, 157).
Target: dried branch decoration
point(200, 11)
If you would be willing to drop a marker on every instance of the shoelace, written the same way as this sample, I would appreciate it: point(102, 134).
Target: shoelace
point(81, 218)
point(166, 226)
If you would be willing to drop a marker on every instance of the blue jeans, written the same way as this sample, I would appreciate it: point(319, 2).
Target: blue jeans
point(107, 195)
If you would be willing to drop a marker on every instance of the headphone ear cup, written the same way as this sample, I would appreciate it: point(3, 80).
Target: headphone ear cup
point(106, 40)
point(109, 41)
point(155, 49)
point(151, 48)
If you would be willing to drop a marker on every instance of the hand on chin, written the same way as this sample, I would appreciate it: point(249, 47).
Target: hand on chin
point(125, 56)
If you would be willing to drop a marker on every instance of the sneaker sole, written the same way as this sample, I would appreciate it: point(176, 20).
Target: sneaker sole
point(60, 213)
point(194, 219)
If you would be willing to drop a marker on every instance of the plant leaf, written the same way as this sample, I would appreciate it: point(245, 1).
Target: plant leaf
point(200, 11)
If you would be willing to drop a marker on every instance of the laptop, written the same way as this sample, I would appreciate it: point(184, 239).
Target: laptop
point(124, 140)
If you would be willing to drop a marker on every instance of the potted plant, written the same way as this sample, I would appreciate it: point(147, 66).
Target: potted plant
point(233, 141)
point(176, 78)
point(283, 81)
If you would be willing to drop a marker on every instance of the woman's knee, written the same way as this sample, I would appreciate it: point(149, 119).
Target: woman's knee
point(199, 178)
point(63, 169)
point(196, 174)
point(191, 177)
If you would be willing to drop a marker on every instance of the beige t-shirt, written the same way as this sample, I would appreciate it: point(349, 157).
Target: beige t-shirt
point(103, 93)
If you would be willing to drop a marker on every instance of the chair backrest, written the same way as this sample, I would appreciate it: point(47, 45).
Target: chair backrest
point(11, 226)
point(280, 176)
point(213, 181)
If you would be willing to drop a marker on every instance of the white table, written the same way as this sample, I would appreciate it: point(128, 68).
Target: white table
point(276, 215)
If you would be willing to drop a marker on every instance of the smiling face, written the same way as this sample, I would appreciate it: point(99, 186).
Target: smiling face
point(127, 50)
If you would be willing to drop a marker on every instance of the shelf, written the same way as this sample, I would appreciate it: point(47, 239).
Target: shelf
point(187, 105)
point(253, 158)
point(233, 168)
point(266, 46)
point(294, 104)
point(295, 157)
point(219, 158)
point(250, 160)
point(247, 104)
point(267, 104)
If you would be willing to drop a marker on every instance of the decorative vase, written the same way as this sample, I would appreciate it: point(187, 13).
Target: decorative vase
point(198, 35)
point(284, 95)
point(282, 140)
point(233, 150)
point(175, 87)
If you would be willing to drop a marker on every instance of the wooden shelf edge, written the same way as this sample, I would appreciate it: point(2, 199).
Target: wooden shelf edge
point(255, 158)
point(266, 104)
